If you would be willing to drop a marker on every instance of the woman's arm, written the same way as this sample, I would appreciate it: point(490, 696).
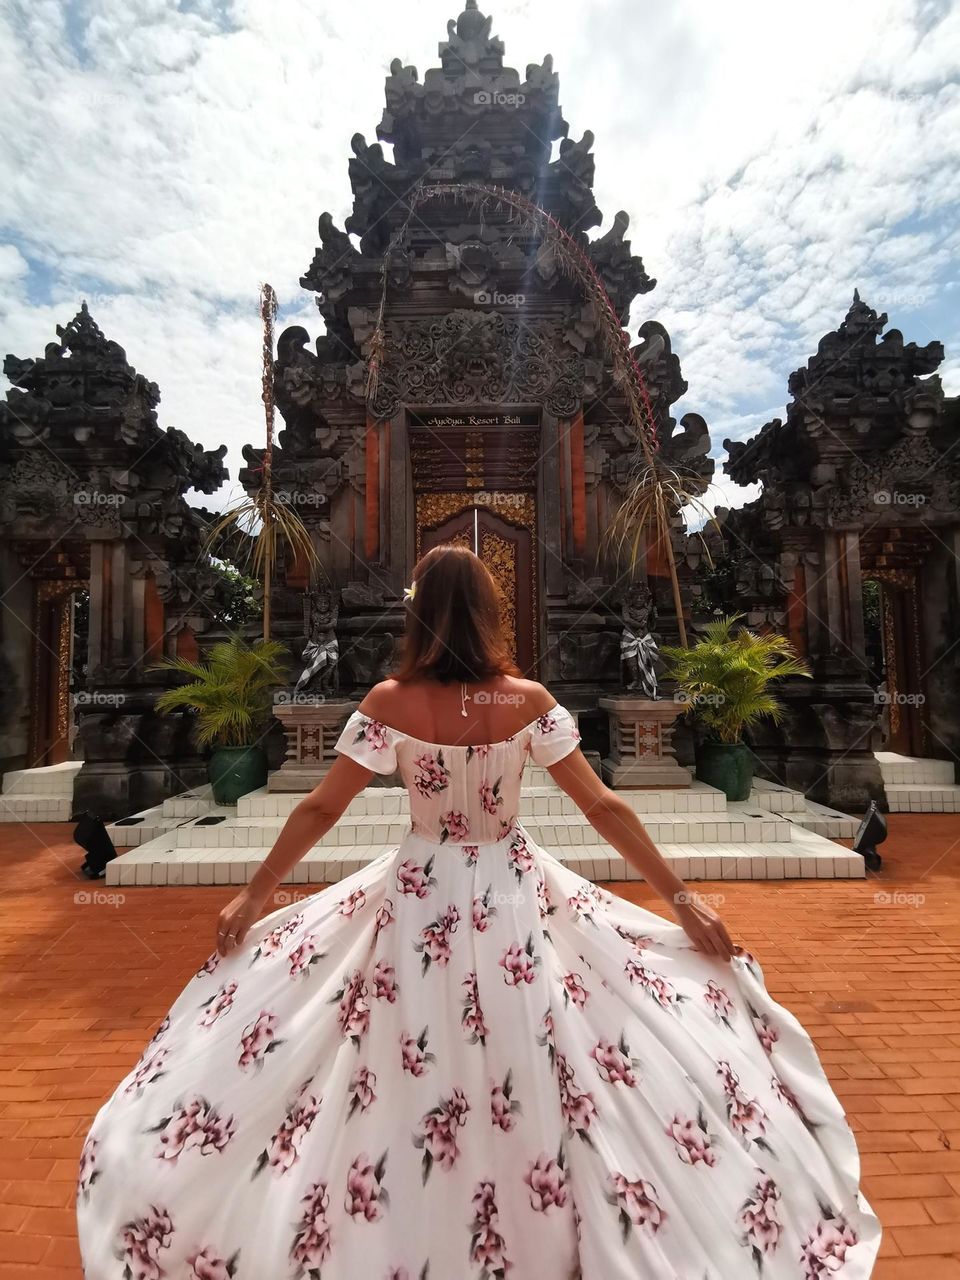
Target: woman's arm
point(618, 824)
point(309, 822)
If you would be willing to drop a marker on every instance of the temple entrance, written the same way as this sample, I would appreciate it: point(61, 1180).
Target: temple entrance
point(53, 659)
point(507, 551)
point(892, 568)
point(493, 457)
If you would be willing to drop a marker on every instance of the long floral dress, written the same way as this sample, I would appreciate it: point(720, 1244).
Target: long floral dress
point(465, 1062)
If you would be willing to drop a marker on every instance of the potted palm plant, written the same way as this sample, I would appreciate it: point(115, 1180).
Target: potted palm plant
point(724, 680)
point(231, 693)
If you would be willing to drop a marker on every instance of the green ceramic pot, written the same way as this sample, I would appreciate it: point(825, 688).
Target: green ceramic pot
point(728, 766)
point(233, 771)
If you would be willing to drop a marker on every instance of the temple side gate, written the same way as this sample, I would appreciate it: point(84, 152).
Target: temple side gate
point(92, 513)
point(861, 482)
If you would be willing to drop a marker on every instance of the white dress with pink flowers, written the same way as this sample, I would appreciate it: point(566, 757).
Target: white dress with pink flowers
point(465, 1062)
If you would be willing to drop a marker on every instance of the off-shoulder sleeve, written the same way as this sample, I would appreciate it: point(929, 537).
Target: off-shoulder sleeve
point(369, 742)
point(554, 736)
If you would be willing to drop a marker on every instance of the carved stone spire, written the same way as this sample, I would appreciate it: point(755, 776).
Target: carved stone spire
point(82, 334)
point(861, 319)
point(469, 45)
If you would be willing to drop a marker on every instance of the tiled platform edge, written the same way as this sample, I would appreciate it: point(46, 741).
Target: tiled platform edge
point(39, 795)
point(774, 835)
point(917, 785)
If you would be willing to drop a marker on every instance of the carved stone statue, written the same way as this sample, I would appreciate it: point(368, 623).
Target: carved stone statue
point(638, 649)
point(322, 652)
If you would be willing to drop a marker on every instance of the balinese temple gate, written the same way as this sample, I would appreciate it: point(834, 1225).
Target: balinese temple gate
point(494, 421)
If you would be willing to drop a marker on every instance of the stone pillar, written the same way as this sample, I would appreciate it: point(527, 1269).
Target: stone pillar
point(641, 743)
point(311, 727)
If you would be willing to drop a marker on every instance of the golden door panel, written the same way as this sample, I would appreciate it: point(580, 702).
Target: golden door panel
point(504, 542)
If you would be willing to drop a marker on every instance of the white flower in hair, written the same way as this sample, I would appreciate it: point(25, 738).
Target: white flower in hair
point(410, 592)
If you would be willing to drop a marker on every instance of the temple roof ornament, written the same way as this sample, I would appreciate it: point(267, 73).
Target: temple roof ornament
point(469, 45)
point(83, 406)
point(861, 392)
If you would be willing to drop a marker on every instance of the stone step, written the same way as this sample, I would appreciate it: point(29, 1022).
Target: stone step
point(917, 797)
point(774, 796)
point(379, 829)
point(26, 807)
point(897, 770)
point(535, 801)
point(806, 856)
point(49, 780)
point(190, 804)
point(824, 821)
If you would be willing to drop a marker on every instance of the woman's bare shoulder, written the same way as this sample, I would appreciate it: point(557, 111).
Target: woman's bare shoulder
point(533, 697)
point(381, 699)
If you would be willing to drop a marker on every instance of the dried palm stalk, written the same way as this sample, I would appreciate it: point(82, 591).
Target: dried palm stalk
point(273, 523)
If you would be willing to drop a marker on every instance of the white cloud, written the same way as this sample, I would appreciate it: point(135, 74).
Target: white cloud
point(13, 266)
point(167, 159)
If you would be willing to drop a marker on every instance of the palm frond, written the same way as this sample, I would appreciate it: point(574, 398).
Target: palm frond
point(725, 677)
point(230, 691)
point(275, 524)
point(655, 493)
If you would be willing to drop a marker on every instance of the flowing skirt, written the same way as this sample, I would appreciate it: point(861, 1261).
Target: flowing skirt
point(466, 1062)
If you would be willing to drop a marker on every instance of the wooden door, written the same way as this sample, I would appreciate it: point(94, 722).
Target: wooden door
point(507, 551)
point(901, 661)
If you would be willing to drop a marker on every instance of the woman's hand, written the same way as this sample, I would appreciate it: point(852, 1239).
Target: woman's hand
point(703, 926)
point(236, 918)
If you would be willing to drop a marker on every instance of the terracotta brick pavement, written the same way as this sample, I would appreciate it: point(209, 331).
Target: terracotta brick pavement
point(84, 984)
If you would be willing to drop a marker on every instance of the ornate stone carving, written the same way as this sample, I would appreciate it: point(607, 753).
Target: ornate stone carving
point(914, 471)
point(621, 271)
point(467, 357)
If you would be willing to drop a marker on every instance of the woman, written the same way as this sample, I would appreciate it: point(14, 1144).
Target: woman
point(465, 1062)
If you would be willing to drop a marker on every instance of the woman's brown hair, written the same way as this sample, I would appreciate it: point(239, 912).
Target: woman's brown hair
point(453, 630)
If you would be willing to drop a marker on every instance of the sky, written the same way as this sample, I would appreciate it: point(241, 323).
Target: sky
point(162, 158)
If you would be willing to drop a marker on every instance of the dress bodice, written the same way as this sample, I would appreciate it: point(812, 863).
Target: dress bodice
point(464, 794)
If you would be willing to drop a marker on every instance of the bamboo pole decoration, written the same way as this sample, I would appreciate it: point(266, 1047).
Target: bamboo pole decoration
point(269, 522)
point(268, 313)
point(575, 263)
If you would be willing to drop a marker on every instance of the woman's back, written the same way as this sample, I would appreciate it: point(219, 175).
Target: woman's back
point(433, 712)
point(463, 778)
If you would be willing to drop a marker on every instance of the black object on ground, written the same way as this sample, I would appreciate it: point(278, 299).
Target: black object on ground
point(872, 831)
point(90, 834)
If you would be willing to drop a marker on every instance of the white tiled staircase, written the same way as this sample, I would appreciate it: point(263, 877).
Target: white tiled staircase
point(190, 840)
point(916, 785)
point(39, 795)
